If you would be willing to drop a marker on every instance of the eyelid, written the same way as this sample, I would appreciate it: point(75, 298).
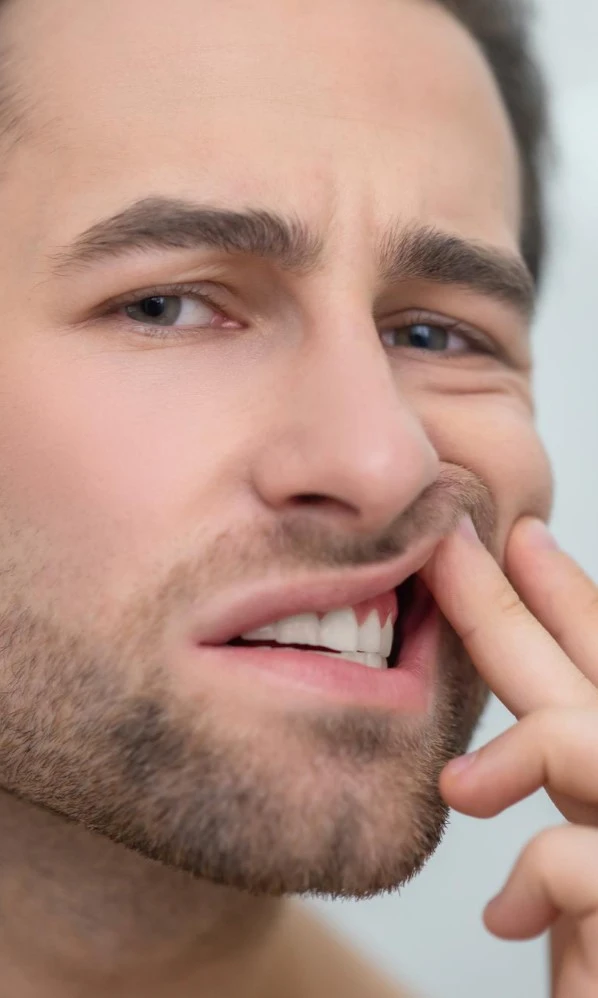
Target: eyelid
point(198, 290)
point(485, 343)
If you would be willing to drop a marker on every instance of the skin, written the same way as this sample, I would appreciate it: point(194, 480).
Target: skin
point(143, 478)
point(548, 614)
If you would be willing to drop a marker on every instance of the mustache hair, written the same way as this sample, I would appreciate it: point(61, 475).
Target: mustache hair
point(457, 492)
point(298, 541)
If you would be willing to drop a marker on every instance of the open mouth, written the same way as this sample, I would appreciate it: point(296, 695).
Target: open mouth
point(414, 603)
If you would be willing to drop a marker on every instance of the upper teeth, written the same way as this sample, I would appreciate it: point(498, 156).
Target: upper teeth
point(337, 630)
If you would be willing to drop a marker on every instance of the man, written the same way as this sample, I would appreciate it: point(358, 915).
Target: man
point(268, 271)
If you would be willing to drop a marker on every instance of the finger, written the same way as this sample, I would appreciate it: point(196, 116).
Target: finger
point(557, 873)
point(558, 592)
point(555, 748)
point(518, 658)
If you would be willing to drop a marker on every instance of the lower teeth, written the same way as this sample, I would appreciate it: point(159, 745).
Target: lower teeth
point(370, 659)
point(361, 657)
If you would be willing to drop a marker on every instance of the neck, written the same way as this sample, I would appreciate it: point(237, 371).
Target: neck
point(82, 915)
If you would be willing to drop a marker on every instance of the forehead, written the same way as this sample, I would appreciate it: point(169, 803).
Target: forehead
point(344, 111)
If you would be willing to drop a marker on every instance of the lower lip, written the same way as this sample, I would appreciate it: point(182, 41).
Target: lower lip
point(409, 687)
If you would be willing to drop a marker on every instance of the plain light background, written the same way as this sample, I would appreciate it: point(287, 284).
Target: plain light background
point(431, 935)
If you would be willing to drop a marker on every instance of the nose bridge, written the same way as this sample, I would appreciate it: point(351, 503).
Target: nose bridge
point(345, 432)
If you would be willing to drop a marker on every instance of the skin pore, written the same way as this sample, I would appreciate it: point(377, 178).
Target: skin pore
point(292, 429)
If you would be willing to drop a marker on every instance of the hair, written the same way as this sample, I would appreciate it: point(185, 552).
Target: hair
point(501, 28)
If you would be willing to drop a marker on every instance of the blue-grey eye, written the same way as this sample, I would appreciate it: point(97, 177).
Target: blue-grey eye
point(158, 310)
point(423, 336)
point(428, 337)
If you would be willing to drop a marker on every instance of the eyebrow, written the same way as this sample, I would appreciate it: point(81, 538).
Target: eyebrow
point(416, 253)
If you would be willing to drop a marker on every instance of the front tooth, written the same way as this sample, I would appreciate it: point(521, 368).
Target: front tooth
point(362, 658)
point(387, 638)
point(369, 634)
point(301, 629)
point(339, 630)
point(260, 634)
point(375, 661)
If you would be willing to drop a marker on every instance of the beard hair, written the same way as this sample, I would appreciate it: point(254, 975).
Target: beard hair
point(341, 802)
point(344, 802)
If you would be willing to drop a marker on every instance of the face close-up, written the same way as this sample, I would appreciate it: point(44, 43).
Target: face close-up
point(266, 341)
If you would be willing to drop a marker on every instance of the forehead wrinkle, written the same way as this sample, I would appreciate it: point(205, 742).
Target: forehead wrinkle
point(404, 252)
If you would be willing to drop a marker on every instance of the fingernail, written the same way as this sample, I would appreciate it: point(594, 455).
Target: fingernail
point(458, 766)
point(467, 530)
point(539, 536)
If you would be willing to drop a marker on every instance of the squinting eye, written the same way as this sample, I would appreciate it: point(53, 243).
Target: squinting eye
point(427, 336)
point(170, 310)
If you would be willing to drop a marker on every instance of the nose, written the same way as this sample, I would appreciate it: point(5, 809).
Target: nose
point(342, 442)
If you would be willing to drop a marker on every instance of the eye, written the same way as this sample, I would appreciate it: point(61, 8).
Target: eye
point(174, 312)
point(171, 311)
point(436, 337)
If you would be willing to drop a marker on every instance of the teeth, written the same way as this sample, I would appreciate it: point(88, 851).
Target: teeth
point(337, 630)
point(362, 658)
point(387, 638)
point(370, 634)
point(261, 634)
point(302, 629)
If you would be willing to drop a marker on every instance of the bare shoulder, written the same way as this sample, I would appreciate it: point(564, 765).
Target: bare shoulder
point(326, 964)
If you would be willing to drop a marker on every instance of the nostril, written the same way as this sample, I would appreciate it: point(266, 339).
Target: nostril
point(313, 500)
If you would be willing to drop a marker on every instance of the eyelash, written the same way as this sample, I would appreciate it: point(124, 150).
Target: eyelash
point(173, 291)
point(479, 344)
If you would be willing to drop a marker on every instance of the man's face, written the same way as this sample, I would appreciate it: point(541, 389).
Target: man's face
point(161, 455)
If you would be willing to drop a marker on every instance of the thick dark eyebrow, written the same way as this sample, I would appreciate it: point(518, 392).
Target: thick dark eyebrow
point(428, 254)
point(413, 253)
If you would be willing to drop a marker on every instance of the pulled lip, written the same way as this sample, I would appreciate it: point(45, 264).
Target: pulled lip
point(254, 605)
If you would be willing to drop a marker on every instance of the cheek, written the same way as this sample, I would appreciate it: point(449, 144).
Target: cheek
point(101, 463)
point(495, 437)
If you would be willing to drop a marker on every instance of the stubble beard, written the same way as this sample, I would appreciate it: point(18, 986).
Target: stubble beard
point(339, 802)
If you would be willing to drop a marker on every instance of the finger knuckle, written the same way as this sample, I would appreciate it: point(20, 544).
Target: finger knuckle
point(539, 854)
point(543, 721)
point(550, 725)
point(509, 603)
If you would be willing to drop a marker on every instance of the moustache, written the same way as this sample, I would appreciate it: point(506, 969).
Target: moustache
point(300, 540)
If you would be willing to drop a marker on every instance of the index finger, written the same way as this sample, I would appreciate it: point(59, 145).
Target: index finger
point(521, 662)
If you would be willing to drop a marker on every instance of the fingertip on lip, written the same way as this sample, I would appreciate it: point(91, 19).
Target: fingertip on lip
point(467, 530)
point(425, 573)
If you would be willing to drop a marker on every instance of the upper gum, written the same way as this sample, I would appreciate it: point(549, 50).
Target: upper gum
point(364, 614)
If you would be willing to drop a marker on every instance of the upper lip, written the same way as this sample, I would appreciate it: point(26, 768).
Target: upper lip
point(275, 597)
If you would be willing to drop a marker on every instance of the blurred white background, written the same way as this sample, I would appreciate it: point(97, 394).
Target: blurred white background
point(431, 936)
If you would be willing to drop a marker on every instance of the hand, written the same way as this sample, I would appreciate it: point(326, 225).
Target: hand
point(536, 645)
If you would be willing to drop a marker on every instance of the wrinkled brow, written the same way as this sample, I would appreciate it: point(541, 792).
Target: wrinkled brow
point(413, 253)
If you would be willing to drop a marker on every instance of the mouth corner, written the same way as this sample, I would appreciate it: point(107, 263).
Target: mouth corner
point(415, 602)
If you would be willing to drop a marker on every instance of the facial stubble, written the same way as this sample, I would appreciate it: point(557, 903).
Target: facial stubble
point(333, 801)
